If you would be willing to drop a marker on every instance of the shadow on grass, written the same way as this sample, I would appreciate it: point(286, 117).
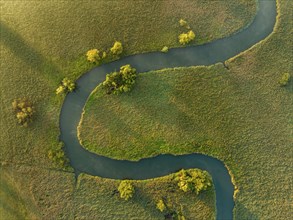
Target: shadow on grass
point(8, 192)
point(26, 53)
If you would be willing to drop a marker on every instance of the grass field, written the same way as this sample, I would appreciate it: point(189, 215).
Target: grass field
point(241, 116)
point(33, 193)
point(44, 41)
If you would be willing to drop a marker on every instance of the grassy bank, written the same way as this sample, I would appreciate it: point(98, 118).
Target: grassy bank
point(240, 115)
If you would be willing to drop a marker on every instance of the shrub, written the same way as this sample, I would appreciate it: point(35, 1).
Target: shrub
point(165, 49)
point(186, 38)
point(184, 23)
point(284, 79)
point(161, 205)
point(193, 180)
point(57, 155)
point(119, 82)
point(67, 85)
point(93, 55)
point(24, 111)
point(117, 48)
point(126, 189)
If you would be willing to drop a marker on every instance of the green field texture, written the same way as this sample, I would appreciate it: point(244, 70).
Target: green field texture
point(33, 193)
point(240, 115)
point(41, 42)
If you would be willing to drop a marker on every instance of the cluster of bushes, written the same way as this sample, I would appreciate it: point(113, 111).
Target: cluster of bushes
point(194, 180)
point(126, 189)
point(57, 155)
point(186, 37)
point(95, 56)
point(169, 210)
point(119, 82)
point(24, 111)
point(66, 86)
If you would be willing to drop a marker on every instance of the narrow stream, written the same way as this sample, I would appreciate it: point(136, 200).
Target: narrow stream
point(207, 54)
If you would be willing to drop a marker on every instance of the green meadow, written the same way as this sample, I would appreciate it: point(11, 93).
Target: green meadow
point(239, 114)
point(44, 41)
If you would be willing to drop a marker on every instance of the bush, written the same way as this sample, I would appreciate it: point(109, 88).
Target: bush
point(24, 111)
point(126, 189)
point(117, 48)
point(67, 85)
point(193, 180)
point(284, 79)
point(93, 55)
point(165, 49)
point(57, 155)
point(119, 82)
point(184, 23)
point(161, 205)
point(186, 38)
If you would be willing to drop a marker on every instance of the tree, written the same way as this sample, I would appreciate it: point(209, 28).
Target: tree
point(161, 205)
point(24, 111)
point(117, 48)
point(93, 55)
point(67, 85)
point(126, 189)
point(193, 180)
point(185, 38)
point(119, 82)
point(284, 79)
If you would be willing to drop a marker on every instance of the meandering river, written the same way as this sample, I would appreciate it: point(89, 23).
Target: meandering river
point(207, 54)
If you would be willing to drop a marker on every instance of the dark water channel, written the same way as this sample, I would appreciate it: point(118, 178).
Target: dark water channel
point(207, 54)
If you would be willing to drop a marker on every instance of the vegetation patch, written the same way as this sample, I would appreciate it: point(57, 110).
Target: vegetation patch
point(239, 115)
point(119, 82)
point(24, 111)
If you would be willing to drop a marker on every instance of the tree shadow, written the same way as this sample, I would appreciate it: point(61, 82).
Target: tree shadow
point(20, 48)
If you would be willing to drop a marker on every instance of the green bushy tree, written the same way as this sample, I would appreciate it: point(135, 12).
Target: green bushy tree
point(194, 180)
point(186, 38)
point(126, 189)
point(24, 111)
point(67, 85)
point(122, 81)
point(117, 48)
point(93, 55)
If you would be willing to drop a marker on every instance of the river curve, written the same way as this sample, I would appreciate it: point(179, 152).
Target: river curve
point(217, 51)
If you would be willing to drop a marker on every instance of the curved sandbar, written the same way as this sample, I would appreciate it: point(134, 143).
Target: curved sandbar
point(207, 54)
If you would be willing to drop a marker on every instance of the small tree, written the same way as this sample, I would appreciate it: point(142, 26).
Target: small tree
point(117, 48)
point(284, 79)
point(67, 85)
point(193, 180)
point(24, 111)
point(186, 38)
point(126, 189)
point(161, 205)
point(93, 55)
point(119, 82)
